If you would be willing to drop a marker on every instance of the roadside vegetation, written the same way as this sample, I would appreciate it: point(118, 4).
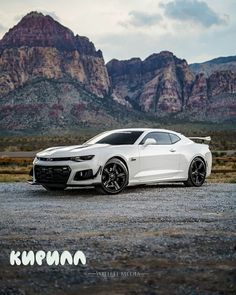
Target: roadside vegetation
point(223, 167)
point(15, 169)
point(223, 170)
point(223, 135)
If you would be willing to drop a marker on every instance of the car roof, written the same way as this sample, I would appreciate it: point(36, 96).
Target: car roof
point(145, 129)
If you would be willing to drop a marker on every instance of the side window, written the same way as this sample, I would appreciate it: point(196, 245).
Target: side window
point(174, 138)
point(162, 138)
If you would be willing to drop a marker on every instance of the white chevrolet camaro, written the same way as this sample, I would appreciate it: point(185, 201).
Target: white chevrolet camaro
point(115, 159)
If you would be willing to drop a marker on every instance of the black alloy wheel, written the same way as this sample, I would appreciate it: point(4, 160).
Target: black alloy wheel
point(114, 177)
point(197, 173)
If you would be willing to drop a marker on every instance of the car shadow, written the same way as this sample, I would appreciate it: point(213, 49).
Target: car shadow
point(67, 193)
point(91, 192)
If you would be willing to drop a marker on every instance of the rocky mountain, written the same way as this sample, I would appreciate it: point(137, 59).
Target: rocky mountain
point(227, 63)
point(164, 85)
point(51, 79)
point(39, 46)
point(160, 83)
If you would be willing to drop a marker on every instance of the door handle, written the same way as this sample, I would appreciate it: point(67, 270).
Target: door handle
point(172, 150)
point(133, 159)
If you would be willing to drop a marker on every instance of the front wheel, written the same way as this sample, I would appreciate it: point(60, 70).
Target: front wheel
point(196, 173)
point(114, 177)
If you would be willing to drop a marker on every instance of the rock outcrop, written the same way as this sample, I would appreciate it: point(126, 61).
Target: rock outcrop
point(222, 82)
point(164, 85)
point(39, 46)
point(199, 94)
point(159, 84)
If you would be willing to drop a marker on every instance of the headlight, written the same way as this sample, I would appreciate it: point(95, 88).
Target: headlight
point(82, 158)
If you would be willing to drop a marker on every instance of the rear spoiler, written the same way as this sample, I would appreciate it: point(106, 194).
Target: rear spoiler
point(206, 139)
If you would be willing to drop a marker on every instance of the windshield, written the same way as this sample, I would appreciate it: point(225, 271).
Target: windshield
point(117, 138)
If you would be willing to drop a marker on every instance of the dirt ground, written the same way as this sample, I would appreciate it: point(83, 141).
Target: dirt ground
point(164, 239)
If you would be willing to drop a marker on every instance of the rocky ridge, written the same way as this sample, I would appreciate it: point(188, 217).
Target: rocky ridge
point(227, 63)
point(39, 46)
point(164, 85)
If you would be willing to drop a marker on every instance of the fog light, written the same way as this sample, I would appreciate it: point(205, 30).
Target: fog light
point(84, 174)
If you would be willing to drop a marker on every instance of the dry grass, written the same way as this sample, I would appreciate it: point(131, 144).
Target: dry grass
point(223, 169)
point(14, 177)
point(222, 178)
point(17, 169)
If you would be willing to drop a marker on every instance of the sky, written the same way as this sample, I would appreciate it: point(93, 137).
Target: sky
point(196, 30)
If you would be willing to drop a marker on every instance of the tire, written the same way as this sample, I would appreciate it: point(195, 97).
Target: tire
point(196, 173)
point(114, 178)
point(54, 188)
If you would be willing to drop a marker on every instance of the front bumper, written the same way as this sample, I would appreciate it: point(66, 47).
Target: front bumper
point(208, 163)
point(67, 173)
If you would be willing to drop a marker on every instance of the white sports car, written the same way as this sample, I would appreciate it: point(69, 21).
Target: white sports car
point(114, 159)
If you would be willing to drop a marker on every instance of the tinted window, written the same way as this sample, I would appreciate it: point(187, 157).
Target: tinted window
point(118, 138)
point(174, 138)
point(160, 137)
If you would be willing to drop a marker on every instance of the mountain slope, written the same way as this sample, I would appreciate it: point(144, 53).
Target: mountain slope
point(227, 63)
point(55, 106)
point(164, 85)
point(159, 84)
point(51, 79)
point(39, 46)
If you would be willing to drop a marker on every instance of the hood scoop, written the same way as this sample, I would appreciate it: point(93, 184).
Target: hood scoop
point(82, 147)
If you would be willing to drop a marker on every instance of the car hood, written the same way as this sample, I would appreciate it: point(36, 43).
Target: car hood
point(70, 151)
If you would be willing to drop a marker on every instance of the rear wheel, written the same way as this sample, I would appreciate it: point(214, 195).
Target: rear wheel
point(114, 177)
point(196, 173)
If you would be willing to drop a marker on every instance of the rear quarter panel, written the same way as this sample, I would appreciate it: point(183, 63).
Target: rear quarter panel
point(191, 150)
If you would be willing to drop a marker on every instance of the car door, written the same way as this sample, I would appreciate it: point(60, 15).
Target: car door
point(158, 161)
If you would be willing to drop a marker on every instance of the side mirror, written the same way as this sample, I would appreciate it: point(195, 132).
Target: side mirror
point(149, 141)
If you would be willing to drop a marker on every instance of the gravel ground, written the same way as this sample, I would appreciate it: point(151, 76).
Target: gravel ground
point(164, 239)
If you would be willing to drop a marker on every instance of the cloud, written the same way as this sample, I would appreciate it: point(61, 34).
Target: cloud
point(142, 19)
point(193, 10)
point(205, 46)
point(189, 32)
point(51, 13)
point(2, 29)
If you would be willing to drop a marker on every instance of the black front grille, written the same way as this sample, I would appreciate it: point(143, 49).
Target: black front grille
point(52, 174)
